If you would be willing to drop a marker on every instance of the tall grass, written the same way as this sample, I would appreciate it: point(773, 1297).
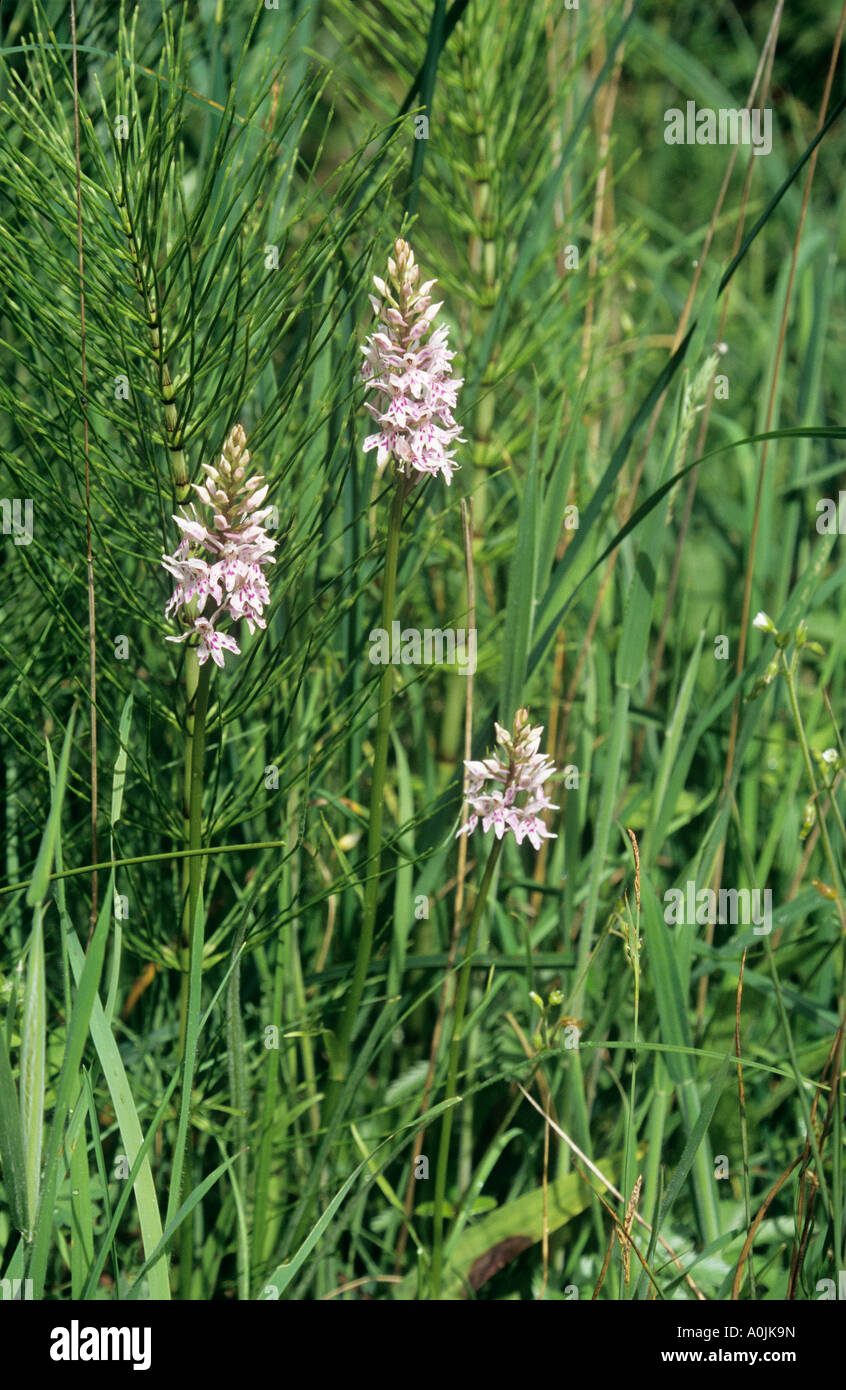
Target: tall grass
point(527, 1080)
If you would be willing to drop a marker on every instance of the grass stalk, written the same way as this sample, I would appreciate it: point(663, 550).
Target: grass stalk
point(374, 833)
point(452, 1072)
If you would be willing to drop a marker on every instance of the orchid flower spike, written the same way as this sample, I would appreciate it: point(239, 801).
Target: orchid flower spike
point(416, 393)
point(515, 797)
point(222, 561)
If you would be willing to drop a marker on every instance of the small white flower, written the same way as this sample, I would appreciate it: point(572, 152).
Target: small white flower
point(763, 623)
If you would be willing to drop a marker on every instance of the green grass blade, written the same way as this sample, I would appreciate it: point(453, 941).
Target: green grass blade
point(68, 1080)
point(179, 1216)
point(520, 607)
point(33, 1060)
point(129, 1126)
point(675, 1031)
point(12, 1142)
point(37, 891)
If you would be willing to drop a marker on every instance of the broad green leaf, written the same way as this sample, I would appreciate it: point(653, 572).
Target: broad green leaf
point(37, 891)
point(521, 1219)
point(77, 1037)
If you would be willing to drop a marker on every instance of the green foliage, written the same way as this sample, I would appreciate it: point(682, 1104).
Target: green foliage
point(637, 495)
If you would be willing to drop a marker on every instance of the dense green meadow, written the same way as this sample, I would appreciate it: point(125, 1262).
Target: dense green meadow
point(270, 1027)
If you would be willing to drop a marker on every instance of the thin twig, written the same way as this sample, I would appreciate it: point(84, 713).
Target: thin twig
point(773, 1192)
point(741, 1103)
point(597, 1172)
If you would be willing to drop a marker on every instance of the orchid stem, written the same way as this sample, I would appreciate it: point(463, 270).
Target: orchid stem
point(374, 834)
point(197, 682)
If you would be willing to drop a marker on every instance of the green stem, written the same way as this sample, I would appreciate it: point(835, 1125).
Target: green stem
point(630, 1152)
point(607, 804)
point(261, 1241)
point(452, 1073)
point(836, 1203)
point(197, 682)
point(809, 769)
point(198, 748)
point(170, 854)
point(374, 834)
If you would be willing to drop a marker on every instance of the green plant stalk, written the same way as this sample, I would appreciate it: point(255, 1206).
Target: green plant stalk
point(452, 1072)
point(294, 975)
point(374, 834)
point(610, 783)
point(579, 1122)
point(261, 1244)
point(662, 1091)
point(482, 256)
point(82, 1214)
point(630, 1152)
point(300, 1000)
point(169, 854)
point(173, 441)
point(779, 998)
point(747, 1186)
point(741, 1093)
point(289, 1173)
point(837, 1151)
point(841, 824)
point(272, 1121)
point(800, 1089)
point(120, 1094)
point(77, 1036)
point(197, 682)
point(837, 1195)
point(809, 768)
point(33, 1055)
point(236, 1051)
point(466, 1138)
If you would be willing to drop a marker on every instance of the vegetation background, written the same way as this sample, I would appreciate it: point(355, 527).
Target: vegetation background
point(652, 339)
